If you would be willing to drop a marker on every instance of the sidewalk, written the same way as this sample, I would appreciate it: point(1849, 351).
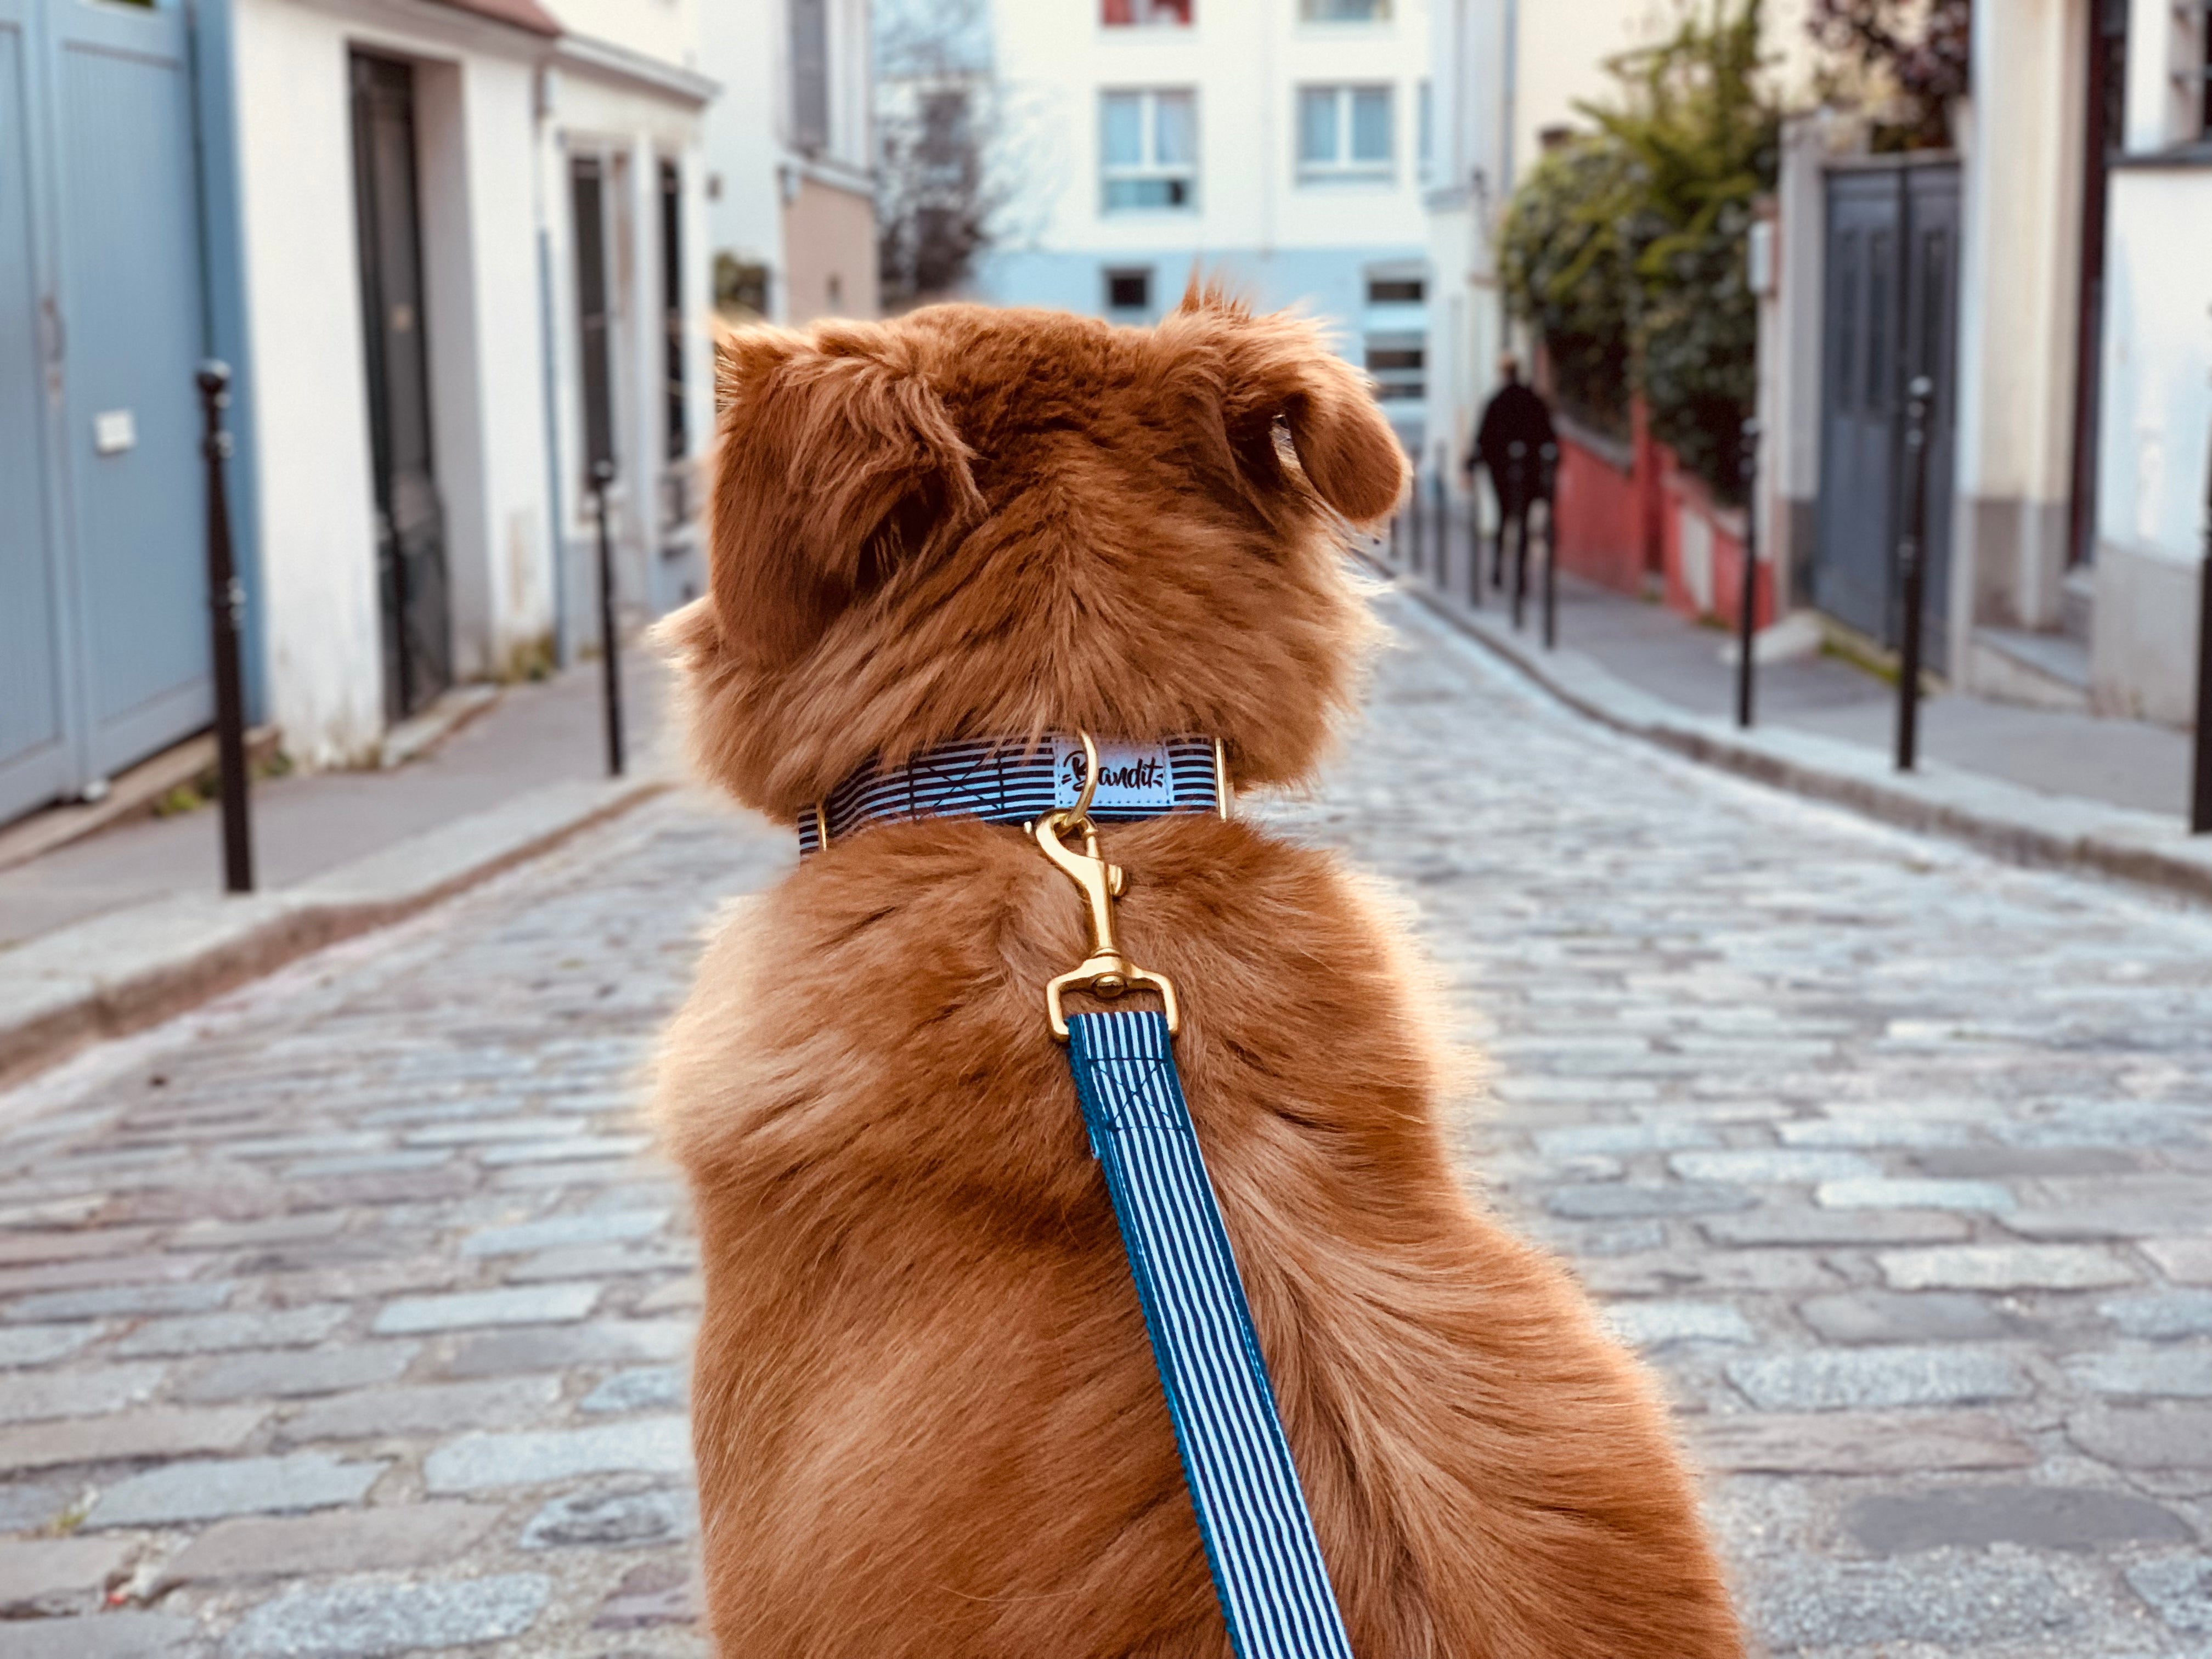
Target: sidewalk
point(2035, 786)
point(128, 924)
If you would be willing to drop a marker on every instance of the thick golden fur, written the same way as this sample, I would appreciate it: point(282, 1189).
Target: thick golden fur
point(926, 1414)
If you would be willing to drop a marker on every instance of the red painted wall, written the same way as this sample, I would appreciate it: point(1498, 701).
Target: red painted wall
point(1618, 528)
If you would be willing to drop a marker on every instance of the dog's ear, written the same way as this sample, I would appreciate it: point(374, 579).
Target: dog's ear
point(838, 464)
point(1279, 367)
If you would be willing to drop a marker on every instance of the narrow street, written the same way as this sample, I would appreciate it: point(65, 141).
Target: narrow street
point(348, 1315)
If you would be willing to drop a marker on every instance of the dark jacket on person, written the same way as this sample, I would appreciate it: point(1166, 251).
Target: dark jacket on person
point(1515, 415)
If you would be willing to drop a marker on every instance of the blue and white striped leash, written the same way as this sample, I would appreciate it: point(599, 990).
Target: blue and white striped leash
point(1258, 1534)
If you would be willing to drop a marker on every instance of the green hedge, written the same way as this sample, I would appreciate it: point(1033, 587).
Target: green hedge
point(1624, 248)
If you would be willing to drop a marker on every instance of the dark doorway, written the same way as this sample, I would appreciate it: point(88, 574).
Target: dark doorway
point(1891, 300)
point(411, 526)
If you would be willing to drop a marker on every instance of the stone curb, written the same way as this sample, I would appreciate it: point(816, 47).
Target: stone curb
point(127, 969)
point(2022, 826)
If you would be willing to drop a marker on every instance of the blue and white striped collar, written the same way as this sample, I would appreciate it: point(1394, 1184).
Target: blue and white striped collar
point(1018, 781)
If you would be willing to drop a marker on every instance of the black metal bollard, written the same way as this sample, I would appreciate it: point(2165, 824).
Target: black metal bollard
point(1911, 568)
point(1414, 525)
point(1748, 598)
point(602, 474)
point(1548, 476)
point(1473, 543)
point(1442, 573)
point(2200, 805)
point(1517, 490)
point(226, 611)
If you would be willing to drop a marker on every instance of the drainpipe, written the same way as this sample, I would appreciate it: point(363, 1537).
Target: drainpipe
point(1509, 93)
point(556, 537)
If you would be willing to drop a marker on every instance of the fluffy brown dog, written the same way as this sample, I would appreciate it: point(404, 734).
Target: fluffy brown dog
point(927, 1417)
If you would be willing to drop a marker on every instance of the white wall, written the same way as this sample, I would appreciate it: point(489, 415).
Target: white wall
point(309, 385)
point(2156, 443)
point(317, 499)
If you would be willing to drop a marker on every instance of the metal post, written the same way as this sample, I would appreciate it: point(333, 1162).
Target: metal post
point(1473, 541)
point(1413, 525)
point(1442, 573)
point(1548, 463)
point(226, 609)
point(2200, 805)
point(602, 474)
point(1516, 476)
point(1747, 599)
point(1911, 568)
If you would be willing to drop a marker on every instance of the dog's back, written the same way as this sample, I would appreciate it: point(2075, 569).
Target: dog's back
point(924, 1409)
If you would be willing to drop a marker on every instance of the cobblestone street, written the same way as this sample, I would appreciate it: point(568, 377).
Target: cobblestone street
point(347, 1316)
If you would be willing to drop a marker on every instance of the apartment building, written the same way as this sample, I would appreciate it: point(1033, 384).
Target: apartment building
point(1280, 145)
point(789, 151)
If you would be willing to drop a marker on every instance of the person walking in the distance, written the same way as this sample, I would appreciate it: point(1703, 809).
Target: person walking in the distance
point(1510, 444)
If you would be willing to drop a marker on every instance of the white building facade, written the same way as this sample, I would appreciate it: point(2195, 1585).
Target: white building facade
point(789, 153)
point(438, 346)
point(1278, 145)
point(2154, 484)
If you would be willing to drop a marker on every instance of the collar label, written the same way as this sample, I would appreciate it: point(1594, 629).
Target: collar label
point(1130, 775)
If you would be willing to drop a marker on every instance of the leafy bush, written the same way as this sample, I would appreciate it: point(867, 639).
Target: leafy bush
point(1566, 267)
point(1626, 247)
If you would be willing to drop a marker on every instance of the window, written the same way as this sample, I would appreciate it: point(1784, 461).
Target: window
point(1148, 150)
point(1130, 292)
point(1399, 363)
point(672, 306)
point(586, 200)
point(1345, 11)
point(810, 74)
point(1395, 290)
point(1125, 14)
point(1345, 133)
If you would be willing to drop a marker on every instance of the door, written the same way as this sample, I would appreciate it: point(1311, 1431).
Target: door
point(35, 764)
point(103, 632)
point(411, 526)
point(1890, 301)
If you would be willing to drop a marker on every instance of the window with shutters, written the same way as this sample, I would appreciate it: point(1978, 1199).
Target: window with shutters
point(671, 307)
point(587, 200)
point(810, 74)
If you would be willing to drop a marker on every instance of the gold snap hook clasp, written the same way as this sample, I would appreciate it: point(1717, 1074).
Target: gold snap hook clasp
point(1107, 971)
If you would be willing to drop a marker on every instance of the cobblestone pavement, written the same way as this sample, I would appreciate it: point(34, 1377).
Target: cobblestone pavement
point(347, 1316)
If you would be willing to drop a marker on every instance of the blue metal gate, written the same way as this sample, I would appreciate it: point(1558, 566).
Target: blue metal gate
point(103, 623)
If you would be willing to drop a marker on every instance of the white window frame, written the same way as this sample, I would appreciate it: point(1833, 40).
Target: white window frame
point(1149, 167)
point(1341, 168)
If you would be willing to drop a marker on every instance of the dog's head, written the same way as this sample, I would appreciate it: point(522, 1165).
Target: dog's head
point(978, 523)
